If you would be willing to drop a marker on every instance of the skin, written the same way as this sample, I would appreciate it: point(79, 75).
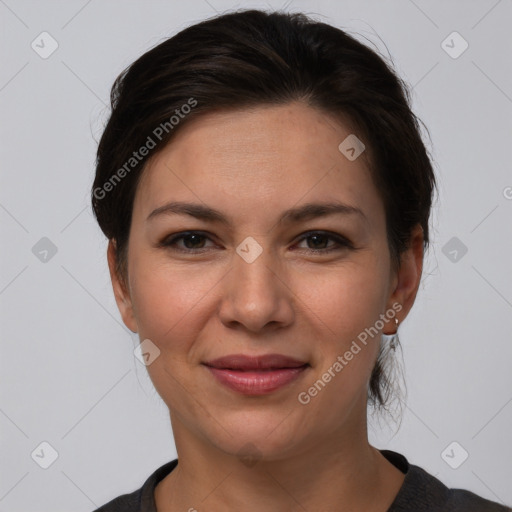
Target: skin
point(252, 165)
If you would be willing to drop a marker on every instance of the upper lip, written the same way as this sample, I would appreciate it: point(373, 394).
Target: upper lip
point(264, 362)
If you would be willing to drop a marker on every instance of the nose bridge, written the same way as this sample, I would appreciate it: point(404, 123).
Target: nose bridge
point(255, 296)
point(252, 269)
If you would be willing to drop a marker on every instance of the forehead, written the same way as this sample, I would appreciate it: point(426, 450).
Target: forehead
point(295, 133)
point(257, 160)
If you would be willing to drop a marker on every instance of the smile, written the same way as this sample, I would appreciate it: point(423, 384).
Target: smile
point(260, 382)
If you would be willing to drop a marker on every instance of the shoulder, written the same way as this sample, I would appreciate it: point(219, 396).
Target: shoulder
point(124, 503)
point(460, 499)
point(142, 499)
point(423, 492)
point(435, 494)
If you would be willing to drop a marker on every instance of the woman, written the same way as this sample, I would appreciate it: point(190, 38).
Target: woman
point(266, 196)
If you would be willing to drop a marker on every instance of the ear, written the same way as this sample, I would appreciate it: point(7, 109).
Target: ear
point(121, 292)
point(407, 279)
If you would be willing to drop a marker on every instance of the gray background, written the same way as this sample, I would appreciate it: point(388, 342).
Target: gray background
point(69, 375)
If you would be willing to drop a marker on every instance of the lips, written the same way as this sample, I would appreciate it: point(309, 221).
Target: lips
point(267, 362)
point(256, 375)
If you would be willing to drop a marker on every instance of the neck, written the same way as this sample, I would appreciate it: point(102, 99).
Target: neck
point(338, 472)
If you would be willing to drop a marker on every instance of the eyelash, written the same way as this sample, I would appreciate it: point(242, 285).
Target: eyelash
point(341, 242)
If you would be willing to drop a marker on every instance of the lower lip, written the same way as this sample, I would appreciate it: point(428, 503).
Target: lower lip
point(256, 382)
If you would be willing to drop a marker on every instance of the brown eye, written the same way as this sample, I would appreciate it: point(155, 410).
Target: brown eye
point(318, 242)
point(192, 241)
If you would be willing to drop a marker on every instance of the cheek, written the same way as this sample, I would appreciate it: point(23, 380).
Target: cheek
point(345, 348)
point(346, 300)
point(171, 308)
point(169, 303)
point(346, 304)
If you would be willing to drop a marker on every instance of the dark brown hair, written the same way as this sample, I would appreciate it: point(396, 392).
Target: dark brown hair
point(251, 58)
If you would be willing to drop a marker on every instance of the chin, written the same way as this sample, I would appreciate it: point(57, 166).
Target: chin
point(254, 436)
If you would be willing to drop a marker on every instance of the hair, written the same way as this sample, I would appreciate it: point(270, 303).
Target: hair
point(253, 58)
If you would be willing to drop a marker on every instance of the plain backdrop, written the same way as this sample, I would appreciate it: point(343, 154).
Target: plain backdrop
point(69, 377)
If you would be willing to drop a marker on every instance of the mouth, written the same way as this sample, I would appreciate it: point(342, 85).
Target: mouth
point(256, 375)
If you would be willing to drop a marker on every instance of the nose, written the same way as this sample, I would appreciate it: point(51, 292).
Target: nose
point(256, 295)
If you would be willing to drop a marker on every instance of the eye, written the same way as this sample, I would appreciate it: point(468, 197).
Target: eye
point(192, 240)
point(320, 238)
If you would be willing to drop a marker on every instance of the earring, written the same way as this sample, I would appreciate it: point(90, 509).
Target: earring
point(393, 343)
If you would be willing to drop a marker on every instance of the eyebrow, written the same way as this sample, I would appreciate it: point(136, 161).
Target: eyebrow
point(293, 215)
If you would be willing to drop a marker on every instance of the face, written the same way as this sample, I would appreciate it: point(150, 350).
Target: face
point(262, 275)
